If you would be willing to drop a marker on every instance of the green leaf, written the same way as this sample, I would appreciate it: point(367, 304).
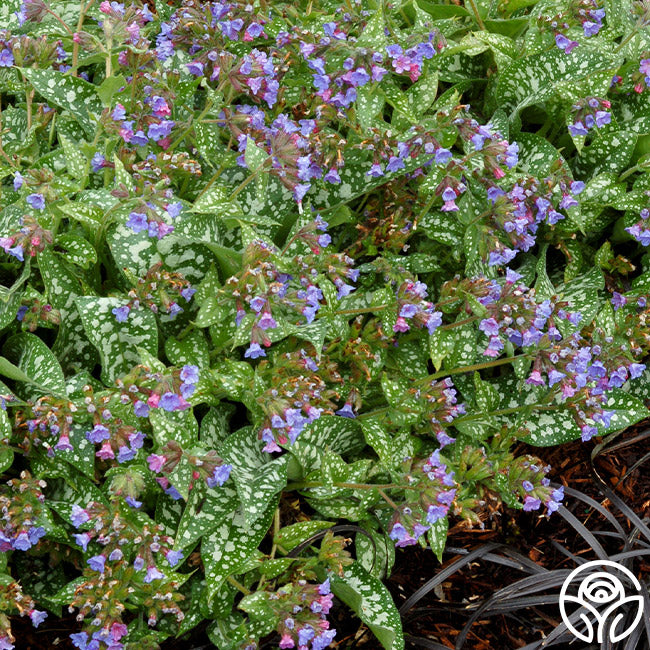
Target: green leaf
point(257, 478)
point(441, 345)
point(109, 88)
point(288, 537)
point(193, 349)
point(77, 162)
point(36, 364)
point(373, 35)
point(536, 77)
point(254, 156)
point(437, 537)
point(206, 508)
point(79, 250)
point(608, 152)
point(369, 104)
point(180, 426)
point(227, 549)
point(72, 93)
point(367, 597)
point(117, 343)
point(557, 427)
point(338, 434)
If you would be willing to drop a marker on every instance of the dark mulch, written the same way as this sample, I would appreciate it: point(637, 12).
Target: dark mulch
point(439, 616)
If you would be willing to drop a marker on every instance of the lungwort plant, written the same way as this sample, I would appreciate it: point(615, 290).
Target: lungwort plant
point(274, 267)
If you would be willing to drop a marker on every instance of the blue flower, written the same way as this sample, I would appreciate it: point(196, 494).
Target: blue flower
point(96, 563)
point(121, 313)
point(254, 351)
point(220, 475)
point(6, 58)
point(169, 402)
point(137, 221)
point(37, 201)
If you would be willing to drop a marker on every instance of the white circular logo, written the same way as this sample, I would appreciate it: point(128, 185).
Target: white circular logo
point(602, 596)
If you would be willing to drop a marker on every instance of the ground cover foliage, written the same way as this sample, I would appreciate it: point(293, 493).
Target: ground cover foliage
point(272, 270)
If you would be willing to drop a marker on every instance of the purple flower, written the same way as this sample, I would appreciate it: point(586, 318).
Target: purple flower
point(131, 501)
point(18, 181)
point(22, 543)
point(82, 540)
point(138, 563)
point(254, 351)
point(37, 617)
point(636, 370)
point(195, 68)
point(434, 513)
point(141, 409)
point(121, 313)
point(37, 201)
point(137, 221)
point(220, 475)
point(98, 162)
point(602, 118)
point(139, 138)
point(530, 503)
point(159, 131)
point(528, 486)
point(346, 411)
point(119, 113)
point(394, 164)
point(98, 433)
point(169, 402)
point(78, 516)
point(187, 293)
point(564, 43)
point(153, 573)
point(577, 129)
point(267, 322)
point(618, 300)
point(190, 374)
point(97, 562)
point(156, 462)
point(79, 640)
point(489, 327)
point(174, 557)
point(6, 58)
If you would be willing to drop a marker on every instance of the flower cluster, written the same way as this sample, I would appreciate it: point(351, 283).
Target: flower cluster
point(264, 288)
point(435, 490)
point(639, 230)
point(130, 555)
point(301, 609)
point(31, 238)
point(206, 466)
point(585, 14)
point(589, 113)
point(412, 307)
point(12, 597)
point(22, 507)
point(159, 290)
point(153, 390)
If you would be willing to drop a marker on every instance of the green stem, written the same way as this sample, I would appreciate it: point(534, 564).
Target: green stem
point(628, 172)
point(181, 137)
point(509, 411)
point(460, 323)
point(387, 499)
point(476, 366)
point(301, 485)
point(627, 39)
point(244, 183)
point(479, 20)
point(238, 585)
